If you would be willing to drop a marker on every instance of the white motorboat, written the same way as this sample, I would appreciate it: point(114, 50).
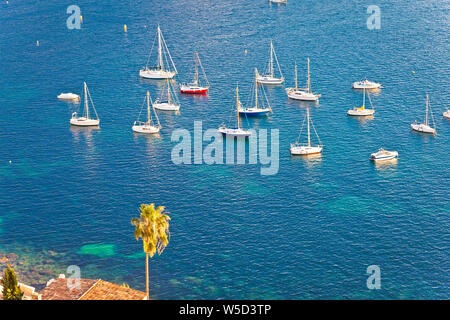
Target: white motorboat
point(362, 111)
point(160, 71)
point(302, 94)
point(169, 103)
point(269, 76)
point(148, 126)
point(446, 114)
point(255, 109)
point(366, 84)
point(306, 149)
point(85, 120)
point(69, 96)
point(235, 131)
point(383, 155)
point(425, 127)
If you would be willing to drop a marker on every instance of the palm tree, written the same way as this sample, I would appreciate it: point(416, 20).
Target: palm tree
point(153, 228)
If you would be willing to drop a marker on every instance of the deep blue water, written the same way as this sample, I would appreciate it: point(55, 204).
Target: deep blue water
point(309, 231)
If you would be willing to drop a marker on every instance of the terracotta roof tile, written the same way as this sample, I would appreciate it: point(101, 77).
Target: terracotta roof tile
point(103, 290)
point(57, 289)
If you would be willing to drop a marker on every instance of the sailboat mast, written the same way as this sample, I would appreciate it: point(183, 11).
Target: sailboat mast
point(296, 86)
point(160, 58)
point(426, 113)
point(196, 69)
point(237, 105)
point(86, 106)
point(309, 82)
point(148, 107)
point(364, 97)
point(271, 59)
point(309, 135)
point(256, 89)
point(168, 91)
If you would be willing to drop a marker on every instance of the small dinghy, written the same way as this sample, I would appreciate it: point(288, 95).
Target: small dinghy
point(362, 111)
point(278, 1)
point(237, 131)
point(195, 87)
point(254, 108)
point(382, 155)
point(85, 120)
point(302, 94)
point(169, 104)
point(269, 76)
point(69, 96)
point(147, 127)
point(425, 127)
point(160, 71)
point(366, 84)
point(446, 114)
point(306, 149)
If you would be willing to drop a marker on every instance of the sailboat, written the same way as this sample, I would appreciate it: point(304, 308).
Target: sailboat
point(238, 131)
point(269, 76)
point(302, 94)
point(255, 110)
point(196, 87)
point(147, 127)
point(425, 127)
point(171, 104)
point(278, 1)
point(366, 84)
point(160, 71)
point(85, 120)
point(362, 111)
point(306, 149)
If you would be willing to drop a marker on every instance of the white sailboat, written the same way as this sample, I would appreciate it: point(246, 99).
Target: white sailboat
point(85, 119)
point(160, 71)
point(169, 104)
point(362, 111)
point(148, 126)
point(306, 149)
point(195, 87)
point(302, 94)
point(255, 109)
point(366, 84)
point(269, 76)
point(425, 127)
point(237, 131)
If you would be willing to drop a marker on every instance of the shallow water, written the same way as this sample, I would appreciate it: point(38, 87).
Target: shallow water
point(309, 231)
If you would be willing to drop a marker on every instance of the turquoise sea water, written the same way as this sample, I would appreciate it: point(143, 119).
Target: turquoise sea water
point(309, 231)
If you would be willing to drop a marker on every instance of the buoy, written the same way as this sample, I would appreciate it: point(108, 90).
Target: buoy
point(245, 51)
point(413, 72)
point(37, 43)
point(81, 18)
point(10, 161)
point(125, 27)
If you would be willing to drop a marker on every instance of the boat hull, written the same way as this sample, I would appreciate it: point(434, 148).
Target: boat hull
point(360, 113)
point(305, 150)
point(156, 74)
point(83, 122)
point(145, 129)
point(232, 132)
point(384, 155)
point(370, 85)
point(69, 97)
point(303, 96)
point(269, 80)
point(193, 90)
point(446, 114)
point(254, 111)
point(422, 128)
point(166, 106)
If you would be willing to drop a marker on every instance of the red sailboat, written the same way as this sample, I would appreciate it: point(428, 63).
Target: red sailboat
point(195, 87)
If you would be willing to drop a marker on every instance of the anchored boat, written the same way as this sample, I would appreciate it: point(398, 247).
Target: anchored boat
point(446, 114)
point(195, 87)
point(160, 70)
point(254, 109)
point(362, 111)
point(425, 127)
point(169, 104)
point(306, 149)
point(148, 126)
point(366, 84)
point(69, 96)
point(382, 155)
point(85, 120)
point(237, 131)
point(269, 76)
point(302, 94)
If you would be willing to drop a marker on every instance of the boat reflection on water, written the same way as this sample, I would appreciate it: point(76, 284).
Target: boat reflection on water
point(386, 166)
point(310, 160)
point(365, 119)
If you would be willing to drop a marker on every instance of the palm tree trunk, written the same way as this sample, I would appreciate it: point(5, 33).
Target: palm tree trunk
point(146, 275)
